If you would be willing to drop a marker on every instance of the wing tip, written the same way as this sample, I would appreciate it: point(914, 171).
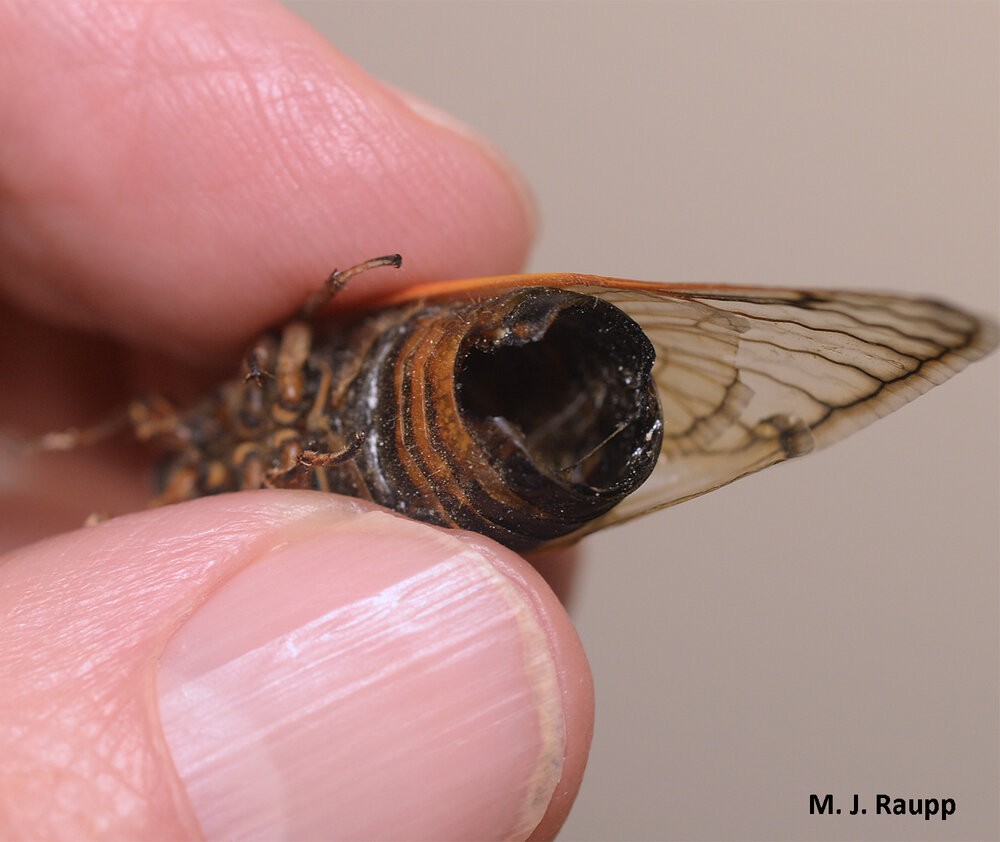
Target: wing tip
point(985, 338)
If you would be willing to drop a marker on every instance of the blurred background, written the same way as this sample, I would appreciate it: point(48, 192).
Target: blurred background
point(830, 625)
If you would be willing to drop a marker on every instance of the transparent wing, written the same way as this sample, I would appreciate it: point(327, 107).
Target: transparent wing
point(751, 377)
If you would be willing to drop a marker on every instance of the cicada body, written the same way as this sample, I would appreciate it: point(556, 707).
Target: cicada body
point(522, 416)
point(537, 408)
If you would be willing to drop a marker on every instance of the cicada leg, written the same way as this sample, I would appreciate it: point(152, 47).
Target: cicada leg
point(297, 468)
point(75, 437)
point(286, 471)
point(338, 280)
point(150, 418)
point(181, 485)
point(293, 353)
point(316, 462)
point(249, 464)
point(260, 361)
point(156, 418)
point(314, 458)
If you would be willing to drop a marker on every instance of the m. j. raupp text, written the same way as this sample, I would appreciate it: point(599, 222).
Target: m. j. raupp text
point(885, 805)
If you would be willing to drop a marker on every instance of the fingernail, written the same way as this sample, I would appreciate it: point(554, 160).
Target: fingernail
point(517, 181)
point(374, 679)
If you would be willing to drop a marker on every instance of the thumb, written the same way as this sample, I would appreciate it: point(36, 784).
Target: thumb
point(284, 665)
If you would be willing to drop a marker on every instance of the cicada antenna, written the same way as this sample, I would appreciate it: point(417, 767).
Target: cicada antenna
point(338, 280)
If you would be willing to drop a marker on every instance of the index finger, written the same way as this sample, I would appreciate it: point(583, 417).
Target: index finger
point(181, 175)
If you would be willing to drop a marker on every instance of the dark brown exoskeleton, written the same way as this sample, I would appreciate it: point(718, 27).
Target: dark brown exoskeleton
point(522, 417)
point(534, 408)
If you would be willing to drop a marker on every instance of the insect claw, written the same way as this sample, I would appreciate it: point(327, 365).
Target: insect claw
point(257, 375)
point(255, 368)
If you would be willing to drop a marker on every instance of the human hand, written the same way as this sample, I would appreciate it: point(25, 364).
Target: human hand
point(280, 664)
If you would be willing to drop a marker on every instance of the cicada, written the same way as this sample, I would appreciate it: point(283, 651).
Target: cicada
point(535, 409)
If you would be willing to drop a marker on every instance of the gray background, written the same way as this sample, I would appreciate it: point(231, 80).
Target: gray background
point(830, 625)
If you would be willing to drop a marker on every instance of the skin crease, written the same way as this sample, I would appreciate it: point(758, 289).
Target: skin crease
point(173, 179)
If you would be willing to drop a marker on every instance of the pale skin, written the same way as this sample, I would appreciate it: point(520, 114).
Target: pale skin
point(160, 207)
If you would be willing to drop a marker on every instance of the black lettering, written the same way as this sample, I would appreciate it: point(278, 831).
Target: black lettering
point(925, 807)
point(816, 806)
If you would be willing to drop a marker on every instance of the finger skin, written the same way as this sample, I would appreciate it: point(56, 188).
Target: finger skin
point(182, 174)
point(574, 675)
point(88, 614)
point(176, 177)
